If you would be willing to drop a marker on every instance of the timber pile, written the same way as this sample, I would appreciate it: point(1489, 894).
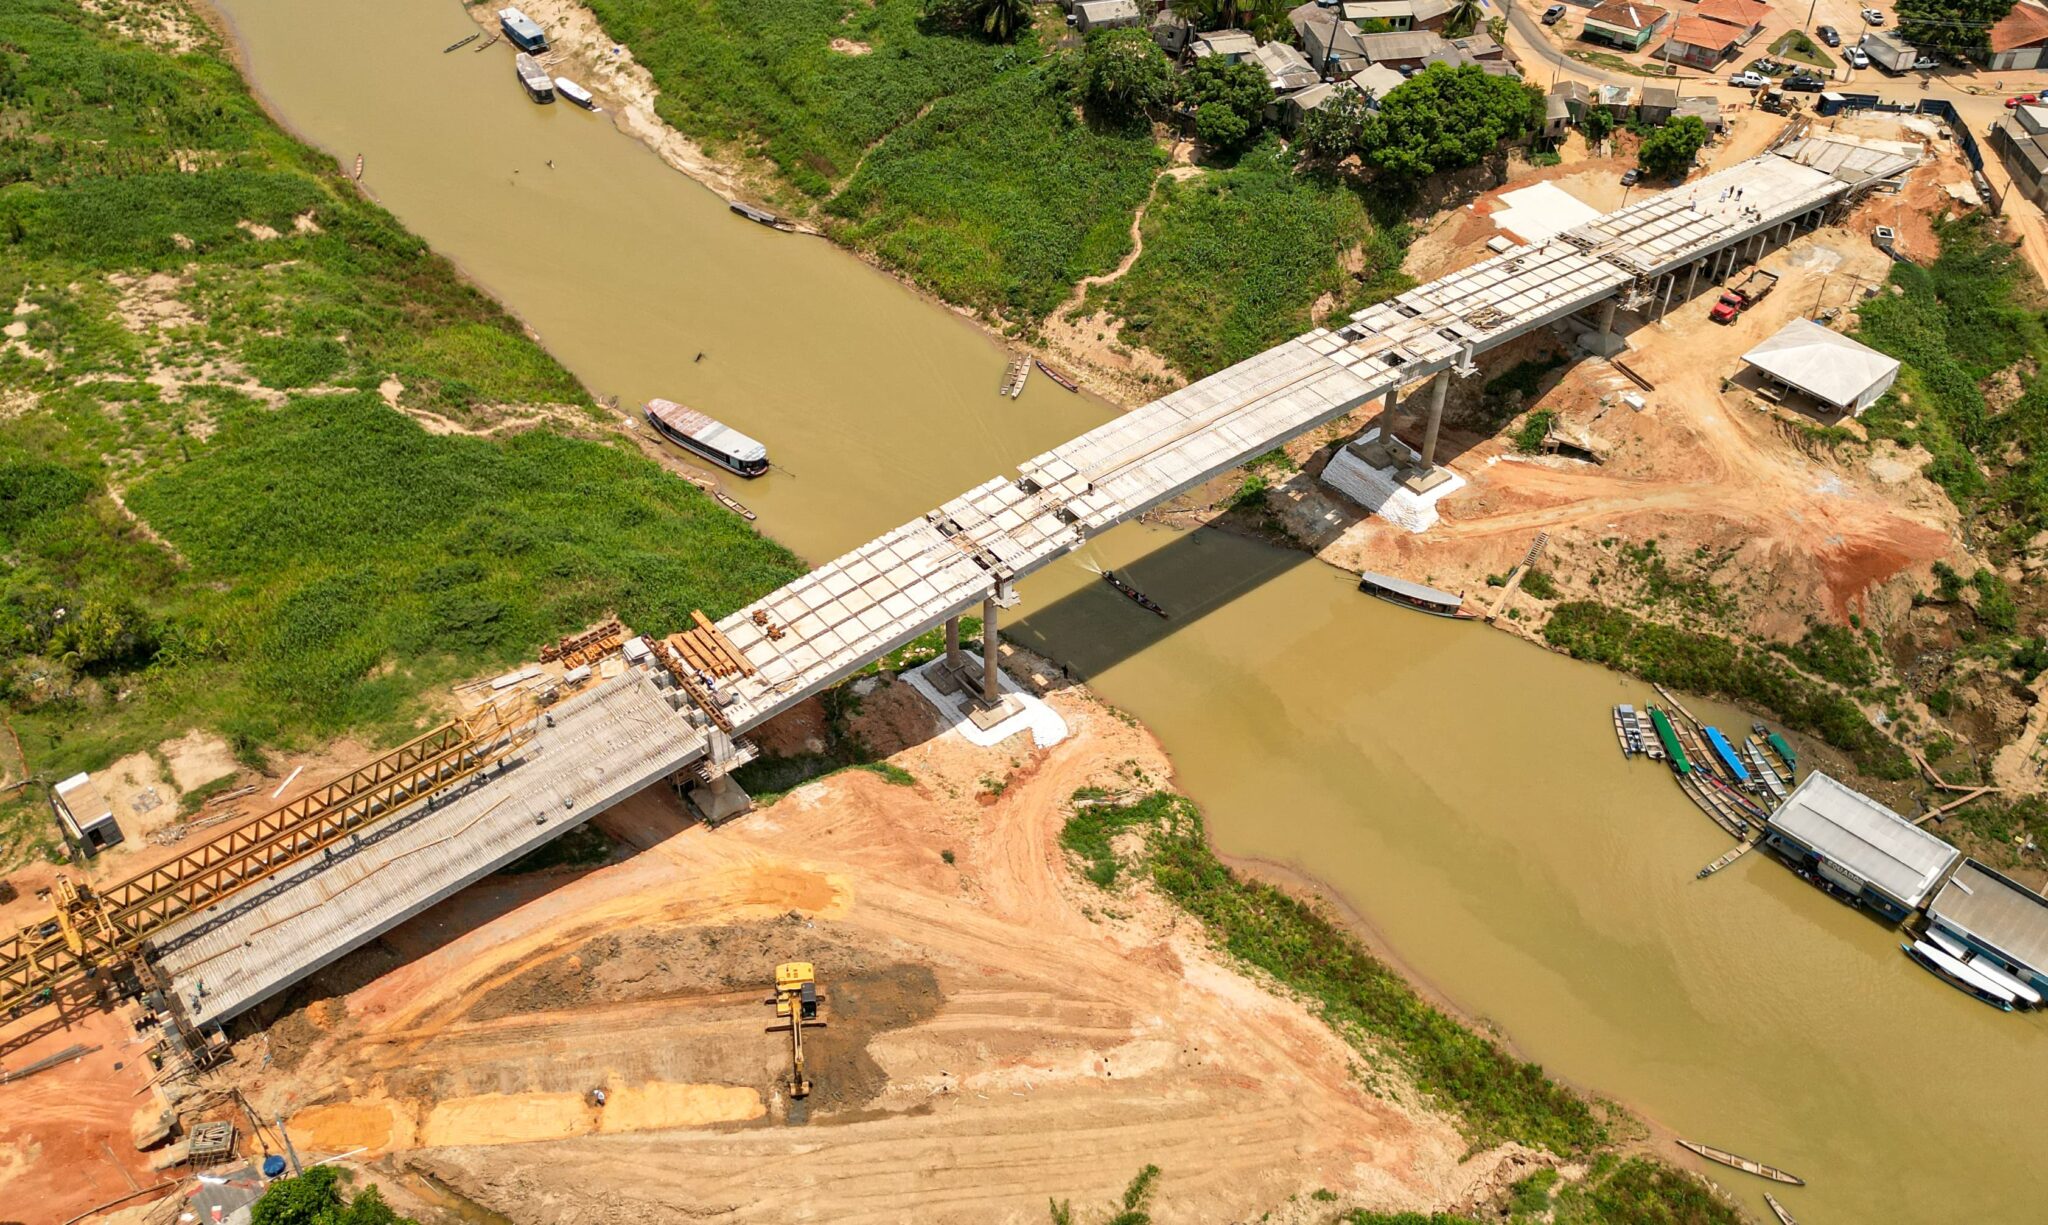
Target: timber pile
point(592, 644)
point(704, 648)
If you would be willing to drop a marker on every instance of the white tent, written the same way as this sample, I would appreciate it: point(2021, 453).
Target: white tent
point(1826, 365)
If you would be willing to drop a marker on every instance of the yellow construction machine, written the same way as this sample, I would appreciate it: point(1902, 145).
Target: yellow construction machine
point(796, 1006)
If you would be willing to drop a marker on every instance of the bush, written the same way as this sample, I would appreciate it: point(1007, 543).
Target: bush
point(1667, 153)
point(1536, 428)
point(1228, 100)
point(1124, 74)
point(1446, 118)
point(315, 1198)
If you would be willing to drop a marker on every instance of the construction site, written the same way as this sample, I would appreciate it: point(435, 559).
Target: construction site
point(346, 972)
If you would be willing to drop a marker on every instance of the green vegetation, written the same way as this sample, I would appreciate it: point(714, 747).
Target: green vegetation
point(315, 1198)
point(1635, 1191)
point(1795, 45)
point(767, 779)
point(208, 549)
point(1124, 74)
point(1667, 153)
point(1529, 438)
point(586, 846)
point(1372, 1006)
point(1131, 1210)
point(1234, 260)
point(1001, 198)
point(1538, 583)
point(1228, 100)
point(1002, 20)
point(1834, 653)
point(1707, 663)
point(1447, 118)
point(1959, 26)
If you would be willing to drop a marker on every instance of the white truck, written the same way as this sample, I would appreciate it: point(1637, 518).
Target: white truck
point(1888, 51)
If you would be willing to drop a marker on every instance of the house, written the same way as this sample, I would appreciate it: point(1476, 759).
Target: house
point(1576, 98)
point(1377, 80)
point(1449, 57)
point(1479, 48)
point(1299, 105)
point(1624, 24)
point(1286, 68)
point(1706, 110)
point(2020, 39)
point(1231, 45)
point(1700, 41)
point(1839, 372)
point(1400, 15)
point(1398, 51)
point(1557, 117)
point(1616, 100)
point(1746, 16)
point(1172, 32)
point(1106, 15)
point(1993, 916)
point(1858, 847)
point(87, 818)
point(1331, 45)
point(2025, 153)
point(1658, 104)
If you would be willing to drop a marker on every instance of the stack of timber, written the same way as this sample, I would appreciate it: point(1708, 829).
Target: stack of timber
point(704, 648)
point(593, 644)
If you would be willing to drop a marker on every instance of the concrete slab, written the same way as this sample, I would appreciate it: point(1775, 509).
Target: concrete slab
point(1044, 723)
point(1382, 490)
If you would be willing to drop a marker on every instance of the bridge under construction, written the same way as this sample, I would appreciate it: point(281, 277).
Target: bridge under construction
point(233, 922)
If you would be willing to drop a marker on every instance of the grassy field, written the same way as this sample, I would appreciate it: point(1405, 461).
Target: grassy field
point(1235, 259)
point(188, 538)
point(999, 198)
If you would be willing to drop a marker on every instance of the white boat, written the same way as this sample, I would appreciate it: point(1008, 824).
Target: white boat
point(576, 93)
point(2023, 995)
point(539, 85)
point(710, 438)
point(1959, 975)
point(524, 32)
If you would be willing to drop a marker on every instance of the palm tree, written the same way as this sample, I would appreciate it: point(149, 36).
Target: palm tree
point(1464, 17)
point(1001, 20)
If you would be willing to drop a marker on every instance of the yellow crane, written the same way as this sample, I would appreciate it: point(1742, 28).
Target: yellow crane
point(796, 1006)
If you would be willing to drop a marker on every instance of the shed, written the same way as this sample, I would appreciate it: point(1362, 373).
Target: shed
point(1858, 847)
point(1406, 50)
point(1286, 68)
point(1377, 81)
point(1624, 23)
point(1232, 45)
point(1298, 105)
point(1997, 917)
point(1658, 104)
point(1106, 15)
point(1172, 32)
point(87, 818)
point(1331, 45)
point(1575, 96)
point(1557, 117)
point(1706, 110)
point(1615, 99)
point(1826, 365)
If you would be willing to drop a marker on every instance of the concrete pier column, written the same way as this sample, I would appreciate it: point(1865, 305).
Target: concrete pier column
point(1387, 407)
point(991, 688)
point(1692, 282)
point(1438, 387)
point(952, 642)
point(1670, 283)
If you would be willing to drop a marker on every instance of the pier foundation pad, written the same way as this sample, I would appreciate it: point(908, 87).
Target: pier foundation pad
point(1385, 475)
point(719, 801)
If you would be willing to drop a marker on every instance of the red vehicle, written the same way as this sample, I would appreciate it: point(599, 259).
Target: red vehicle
point(1753, 289)
point(2021, 100)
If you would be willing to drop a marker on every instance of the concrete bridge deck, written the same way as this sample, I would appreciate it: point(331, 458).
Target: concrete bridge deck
point(820, 629)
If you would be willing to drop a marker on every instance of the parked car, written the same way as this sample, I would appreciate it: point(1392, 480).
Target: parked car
point(1802, 83)
point(1857, 59)
point(1873, 17)
point(1553, 14)
point(1926, 63)
point(1830, 35)
point(1748, 80)
point(1632, 176)
point(2020, 100)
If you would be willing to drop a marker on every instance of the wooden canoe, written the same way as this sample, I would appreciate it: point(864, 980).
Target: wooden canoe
point(1744, 1164)
point(1778, 1210)
point(1055, 375)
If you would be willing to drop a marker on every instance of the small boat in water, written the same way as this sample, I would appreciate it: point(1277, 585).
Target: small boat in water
point(760, 215)
point(1784, 762)
point(539, 85)
point(1778, 1210)
point(576, 93)
point(1413, 595)
point(1133, 594)
point(1013, 379)
point(1958, 974)
point(1056, 376)
point(524, 31)
point(1627, 730)
point(460, 43)
point(709, 438)
point(1744, 1164)
point(733, 504)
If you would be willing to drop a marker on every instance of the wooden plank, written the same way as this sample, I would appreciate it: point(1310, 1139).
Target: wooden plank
point(725, 645)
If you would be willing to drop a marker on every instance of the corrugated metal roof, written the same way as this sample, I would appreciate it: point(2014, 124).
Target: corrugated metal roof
point(1850, 829)
point(1414, 591)
point(710, 431)
point(1996, 910)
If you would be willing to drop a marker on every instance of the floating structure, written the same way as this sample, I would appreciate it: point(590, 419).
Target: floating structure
point(707, 437)
point(576, 93)
point(523, 31)
point(538, 84)
point(1996, 926)
point(1951, 969)
point(1850, 844)
point(1432, 600)
point(1734, 1162)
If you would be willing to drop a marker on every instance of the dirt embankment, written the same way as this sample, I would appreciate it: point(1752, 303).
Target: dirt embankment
point(999, 1031)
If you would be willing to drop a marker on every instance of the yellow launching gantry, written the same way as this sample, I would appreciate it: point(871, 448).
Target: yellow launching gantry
point(796, 1006)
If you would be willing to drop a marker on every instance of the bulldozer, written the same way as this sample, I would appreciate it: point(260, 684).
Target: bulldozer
point(797, 1006)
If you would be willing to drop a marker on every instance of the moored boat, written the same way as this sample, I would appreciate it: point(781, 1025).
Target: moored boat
point(576, 93)
point(1413, 595)
point(760, 215)
point(1958, 974)
point(1734, 1162)
point(1724, 753)
point(707, 437)
point(1627, 731)
point(1013, 379)
point(460, 43)
point(1055, 375)
point(1133, 594)
point(539, 85)
point(524, 31)
point(1778, 1210)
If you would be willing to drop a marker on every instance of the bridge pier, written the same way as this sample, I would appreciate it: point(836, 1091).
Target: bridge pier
point(1438, 388)
point(1604, 343)
point(952, 642)
point(991, 675)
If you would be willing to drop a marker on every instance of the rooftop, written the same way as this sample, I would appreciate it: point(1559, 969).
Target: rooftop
point(1401, 45)
point(1743, 14)
point(1385, 10)
point(1855, 832)
point(1627, 15)
point(1997, 910)
point(1698, 30)
point(2025, 26)
point(1822, 362)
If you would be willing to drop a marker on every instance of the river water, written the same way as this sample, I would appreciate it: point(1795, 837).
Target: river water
point(1459, 789)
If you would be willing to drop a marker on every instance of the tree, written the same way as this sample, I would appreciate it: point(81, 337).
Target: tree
point(1227, 99)
point(1667, 153)
point(1446, 118)
point(313, 1198)
point(1597, 124)
point(1123, 72)
point(1001, 20)
point(1334, 131)
point(104, 632)
point(1463, 18)
point(1961, 26)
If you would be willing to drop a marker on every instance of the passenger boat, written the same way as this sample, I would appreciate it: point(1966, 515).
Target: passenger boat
point(1766, 776)
point(1413, 595)
point(1056, 376)
point(1784, 762)
point(1724, 753)
point(1674, 749)
point(1958, 974)
point(524, 32)
point(711, 439)
point(1133, 594)
point(1627, 731)
point(539, 85)
point(576, 93)
point(2023, 994)
point(460, 43)
point(1778, 1210)
point(1744, 1164)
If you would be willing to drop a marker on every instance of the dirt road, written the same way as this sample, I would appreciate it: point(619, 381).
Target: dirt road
point(1001, 1031)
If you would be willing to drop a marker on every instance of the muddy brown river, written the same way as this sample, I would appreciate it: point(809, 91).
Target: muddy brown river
point(1459, 789)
